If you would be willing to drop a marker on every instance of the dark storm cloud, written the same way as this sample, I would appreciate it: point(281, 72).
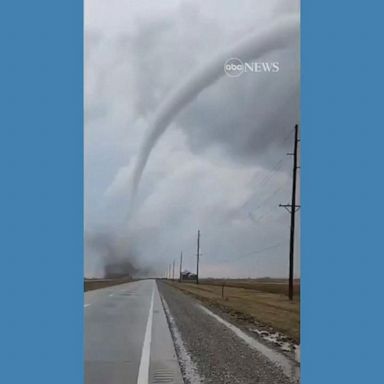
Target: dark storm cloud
point(278, 35)
point(249, 117)
point(246, 115)
point(214, 166)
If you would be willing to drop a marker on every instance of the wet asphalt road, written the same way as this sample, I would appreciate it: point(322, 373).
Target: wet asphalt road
point(127, 338)
point(148, 332)
point(209, 352)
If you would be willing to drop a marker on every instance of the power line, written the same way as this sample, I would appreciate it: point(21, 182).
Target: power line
point(262, 216)
point(290, 131)
point(261, 204)
point(277, 166)
point(274, 193)
point(245, 255)
point(266, 198)
point(273, 171)
point(264, 249)
point(268, 177)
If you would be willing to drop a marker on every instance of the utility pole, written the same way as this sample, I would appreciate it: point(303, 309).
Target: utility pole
point(169, 271)
point(292, 208)
point(198, 256)
point(173, 270)
point(181, 265)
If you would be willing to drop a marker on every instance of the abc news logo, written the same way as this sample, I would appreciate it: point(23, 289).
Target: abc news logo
point(234, 67)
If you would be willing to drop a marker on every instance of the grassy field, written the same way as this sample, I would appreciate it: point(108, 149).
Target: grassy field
point(264, 304)
point(91, 284)
point(279, 286)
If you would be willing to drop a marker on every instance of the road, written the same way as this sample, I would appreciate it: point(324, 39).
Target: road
point(146, 333)
point(127, 339)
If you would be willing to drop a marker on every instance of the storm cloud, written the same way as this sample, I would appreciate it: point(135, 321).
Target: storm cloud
point(277, 36)
point(221, 166)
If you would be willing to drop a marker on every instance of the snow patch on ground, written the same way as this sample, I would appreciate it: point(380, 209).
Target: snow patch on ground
point(279, 341)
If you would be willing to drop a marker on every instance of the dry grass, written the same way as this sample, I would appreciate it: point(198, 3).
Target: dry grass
point(279, 286)
point(91, 284)
point(266, 309)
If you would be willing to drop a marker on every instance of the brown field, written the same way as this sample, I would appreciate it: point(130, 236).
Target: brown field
point(279, 286)
point(91, 284)
point(264, 304)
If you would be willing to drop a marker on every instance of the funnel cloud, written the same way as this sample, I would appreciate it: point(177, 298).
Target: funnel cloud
point(275, 36)
point(155, 70)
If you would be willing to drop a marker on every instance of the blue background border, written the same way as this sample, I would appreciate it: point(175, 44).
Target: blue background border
point(41, 193)
point(41, 196)
point(342, 192)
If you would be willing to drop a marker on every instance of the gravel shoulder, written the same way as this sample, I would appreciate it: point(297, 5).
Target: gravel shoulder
point(269, 312)
point(210, 352)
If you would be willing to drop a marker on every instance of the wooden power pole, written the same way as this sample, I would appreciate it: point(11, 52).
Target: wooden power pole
point(173, 270)
point(181, 265)
point(292, 208)
point(198, 256)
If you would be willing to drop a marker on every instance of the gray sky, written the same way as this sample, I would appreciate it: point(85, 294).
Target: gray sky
point(221, 166)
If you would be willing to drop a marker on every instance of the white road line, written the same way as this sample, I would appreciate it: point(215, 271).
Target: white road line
point(86, 305)
point(143, 376)
point(110, 295)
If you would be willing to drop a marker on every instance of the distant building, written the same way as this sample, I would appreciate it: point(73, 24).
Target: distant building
point(186, 275)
